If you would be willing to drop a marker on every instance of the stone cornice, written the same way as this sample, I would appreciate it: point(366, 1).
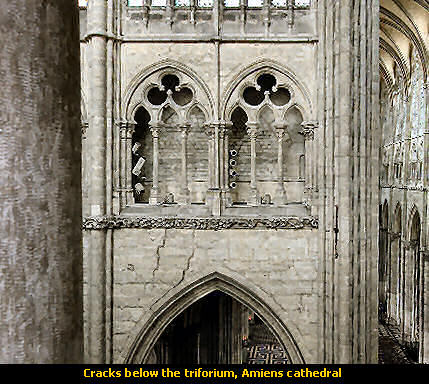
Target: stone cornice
point(199, 223)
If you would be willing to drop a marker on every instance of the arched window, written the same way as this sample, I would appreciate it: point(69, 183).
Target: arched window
point(169, 143)
point(266, 124)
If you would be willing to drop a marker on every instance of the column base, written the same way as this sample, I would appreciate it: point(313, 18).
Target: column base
point(184, 196)
point(254, 198)
point(280, 198)
point(214, 201)
point(155, 196)
point(226, 198)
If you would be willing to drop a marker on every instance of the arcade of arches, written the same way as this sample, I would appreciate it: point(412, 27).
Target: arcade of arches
point(255, 179)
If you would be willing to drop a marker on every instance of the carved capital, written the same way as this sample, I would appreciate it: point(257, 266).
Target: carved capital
point(184, 129)
point(155, 129)
point(308, 128)
point(252, 129)
point(224, 128)
point(209, 130)
point(126, 129)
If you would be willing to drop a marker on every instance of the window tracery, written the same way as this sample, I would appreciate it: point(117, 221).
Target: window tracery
point(266, 139)
point(180, 154)
point(170, 137)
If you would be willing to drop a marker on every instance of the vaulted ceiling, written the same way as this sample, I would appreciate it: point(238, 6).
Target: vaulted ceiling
point(404, 26)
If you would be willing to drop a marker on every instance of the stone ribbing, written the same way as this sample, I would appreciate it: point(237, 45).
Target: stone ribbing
point(209, 223)
point(97, 181)
point(348, 141)
point(40, 183)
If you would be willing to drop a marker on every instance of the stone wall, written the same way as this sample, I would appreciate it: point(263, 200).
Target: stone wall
point(280, 265)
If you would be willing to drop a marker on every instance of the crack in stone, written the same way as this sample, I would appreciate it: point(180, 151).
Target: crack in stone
point(158, 257)
point(188, 265)
point(189, 260)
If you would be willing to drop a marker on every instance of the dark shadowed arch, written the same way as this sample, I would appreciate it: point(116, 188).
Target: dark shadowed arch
point(159, 320)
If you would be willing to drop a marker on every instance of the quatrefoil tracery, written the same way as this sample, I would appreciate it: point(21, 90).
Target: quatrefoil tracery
point(266, 90)
point(170, 91)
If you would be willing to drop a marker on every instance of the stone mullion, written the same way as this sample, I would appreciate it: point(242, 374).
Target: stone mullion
point(126, 192)
point(222, 158)
point(129, 164)
point(184, 155)
point(252, 131)
point(280, 192)
point(307, 131)
point(155, 196)
point(225, 180)
point(209, 134)
point(226, 160)
point(122, 164)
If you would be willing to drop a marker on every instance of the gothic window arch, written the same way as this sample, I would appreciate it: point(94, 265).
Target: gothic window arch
point(167, 114)
point(267, 105)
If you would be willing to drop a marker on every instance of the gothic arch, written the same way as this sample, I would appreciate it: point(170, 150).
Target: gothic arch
point(397, 218)
point(152, 329)
point(129, 105)
point(298, 89)
point(414, 213)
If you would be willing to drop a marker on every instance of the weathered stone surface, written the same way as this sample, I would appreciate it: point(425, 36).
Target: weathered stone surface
point(40, 183)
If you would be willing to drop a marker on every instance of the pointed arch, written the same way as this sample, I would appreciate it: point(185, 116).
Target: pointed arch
point(163, 66)
point(413, 215)
point(397, 218)
point(266, 66)
point(160, 319)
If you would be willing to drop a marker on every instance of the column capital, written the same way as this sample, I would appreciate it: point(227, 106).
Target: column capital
point(155, 129)
point(252, 129)
point(308, 128)
point(184, 129)
point(126, 128)
point(209, 130)
point(224, 128)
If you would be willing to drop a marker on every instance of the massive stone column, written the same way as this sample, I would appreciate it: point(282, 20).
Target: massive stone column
point(40, 183)
point(348, 174)
point(97, 38)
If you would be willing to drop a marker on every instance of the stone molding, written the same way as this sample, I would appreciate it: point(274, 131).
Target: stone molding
point(199, 223)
